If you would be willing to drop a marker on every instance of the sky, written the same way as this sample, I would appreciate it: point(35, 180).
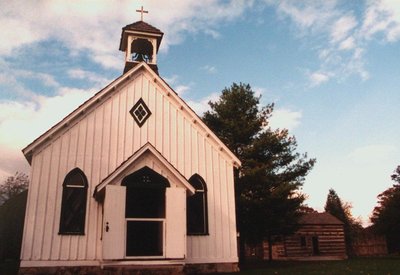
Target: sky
point(332, 69)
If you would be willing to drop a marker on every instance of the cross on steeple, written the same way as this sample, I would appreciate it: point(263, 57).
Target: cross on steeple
point(142, 11)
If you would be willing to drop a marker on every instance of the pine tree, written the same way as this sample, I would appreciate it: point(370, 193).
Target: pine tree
point(268, 185)
point(342, 211)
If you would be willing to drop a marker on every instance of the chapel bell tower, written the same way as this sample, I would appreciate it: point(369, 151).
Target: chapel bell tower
point(140, 42)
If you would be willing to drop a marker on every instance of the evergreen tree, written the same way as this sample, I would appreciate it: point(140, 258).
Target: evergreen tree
point(334, 206)
point(342, 211)
point(386, 215)
point(267, 186)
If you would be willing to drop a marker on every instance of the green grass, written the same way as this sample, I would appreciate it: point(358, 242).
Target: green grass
point(364, 266)
point(384, 265)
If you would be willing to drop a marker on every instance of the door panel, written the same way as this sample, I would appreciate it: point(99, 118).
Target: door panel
point(176, 223)
point(114, 222)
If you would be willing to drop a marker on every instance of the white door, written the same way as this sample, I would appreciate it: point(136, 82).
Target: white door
point(175, 223)
point(114, 222)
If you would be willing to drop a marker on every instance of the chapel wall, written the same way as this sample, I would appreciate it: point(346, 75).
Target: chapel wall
point(98, 143)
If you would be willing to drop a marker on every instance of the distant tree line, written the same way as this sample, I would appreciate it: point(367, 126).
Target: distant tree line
point(13, 186)
point(13, 197)
point(386, 215)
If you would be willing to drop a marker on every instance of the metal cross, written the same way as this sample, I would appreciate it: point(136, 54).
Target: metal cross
point(142, 11)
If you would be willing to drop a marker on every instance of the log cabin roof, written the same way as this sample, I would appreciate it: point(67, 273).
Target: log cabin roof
point(319, 218)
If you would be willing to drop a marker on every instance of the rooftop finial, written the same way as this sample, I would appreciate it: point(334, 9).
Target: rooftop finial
point(142, 11)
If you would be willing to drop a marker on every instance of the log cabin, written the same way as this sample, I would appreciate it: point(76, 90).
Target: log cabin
point(320, 236)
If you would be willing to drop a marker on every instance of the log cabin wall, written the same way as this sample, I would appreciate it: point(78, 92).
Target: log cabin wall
point(316, 240)
point(319, 236)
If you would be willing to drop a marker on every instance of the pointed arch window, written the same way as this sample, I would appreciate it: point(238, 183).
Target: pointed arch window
point(73, 205)
point(197, 213)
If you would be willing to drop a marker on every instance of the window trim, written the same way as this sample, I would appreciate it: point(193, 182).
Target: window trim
point(67, 186)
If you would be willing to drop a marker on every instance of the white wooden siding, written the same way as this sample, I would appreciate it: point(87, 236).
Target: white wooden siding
point(98, 143)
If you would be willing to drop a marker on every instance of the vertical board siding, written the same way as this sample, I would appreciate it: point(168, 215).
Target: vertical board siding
point(40, 205)
point(31, 209)
point(51, 221)
point(98, 143)
point(62, 171)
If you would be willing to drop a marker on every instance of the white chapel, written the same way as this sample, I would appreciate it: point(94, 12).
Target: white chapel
point(132, 179)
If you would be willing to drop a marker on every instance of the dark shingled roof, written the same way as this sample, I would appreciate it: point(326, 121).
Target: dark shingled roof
point(142, 26)
point(319, 218)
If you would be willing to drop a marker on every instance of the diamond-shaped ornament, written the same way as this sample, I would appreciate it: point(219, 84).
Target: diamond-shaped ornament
point(140, 112)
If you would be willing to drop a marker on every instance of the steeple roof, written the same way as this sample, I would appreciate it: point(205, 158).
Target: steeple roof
point(140, 26)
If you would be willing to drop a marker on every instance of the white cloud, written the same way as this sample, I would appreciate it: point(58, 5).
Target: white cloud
point(342, 27)
point(382, 17)
point(88, 76)
point(285, 118)
point(308, 16)
point(347, 44)
point(209, 69)
point(94, 26)
point(181, 89)
point(317, 78)
point(201, 106)
point(22, 122)
point(341, 37)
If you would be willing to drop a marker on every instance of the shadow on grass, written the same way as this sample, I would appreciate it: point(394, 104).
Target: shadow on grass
point(9, 267)
point(375, 265)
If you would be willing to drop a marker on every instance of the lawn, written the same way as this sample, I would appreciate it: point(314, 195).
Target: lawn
point(372, 266)
point(384, 265)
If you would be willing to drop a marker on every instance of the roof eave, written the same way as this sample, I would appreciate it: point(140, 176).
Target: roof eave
point(79, 111)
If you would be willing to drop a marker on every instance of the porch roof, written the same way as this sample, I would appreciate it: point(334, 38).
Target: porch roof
point(122, 170)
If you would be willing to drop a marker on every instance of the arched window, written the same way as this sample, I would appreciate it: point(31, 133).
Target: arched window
point(197, 213)
point(73, 205)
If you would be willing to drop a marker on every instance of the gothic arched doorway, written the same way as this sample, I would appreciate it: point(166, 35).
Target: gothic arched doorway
point(145, 212)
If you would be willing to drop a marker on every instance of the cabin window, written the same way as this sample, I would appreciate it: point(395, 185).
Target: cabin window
point(197, 214)
point(73, 205)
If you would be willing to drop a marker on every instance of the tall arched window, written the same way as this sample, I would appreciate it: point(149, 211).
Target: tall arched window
point(197, 213)
point(73, 205)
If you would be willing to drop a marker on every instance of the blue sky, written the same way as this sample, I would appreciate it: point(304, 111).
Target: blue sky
point(331, 68)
